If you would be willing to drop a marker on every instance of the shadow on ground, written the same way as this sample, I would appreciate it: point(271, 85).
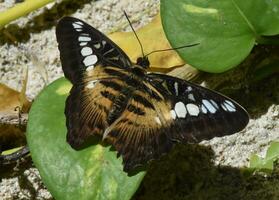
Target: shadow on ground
point(27, 185)
point(189, 173)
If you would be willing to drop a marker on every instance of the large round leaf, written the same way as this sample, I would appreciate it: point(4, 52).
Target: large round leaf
point(226, 30)
point(92, 173)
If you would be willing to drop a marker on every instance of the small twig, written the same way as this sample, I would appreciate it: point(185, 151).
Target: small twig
point(13, 157)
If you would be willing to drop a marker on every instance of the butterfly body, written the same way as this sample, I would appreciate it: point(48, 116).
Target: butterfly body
point(141, 114)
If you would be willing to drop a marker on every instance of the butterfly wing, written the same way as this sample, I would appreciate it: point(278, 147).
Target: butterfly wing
point(82, 47)
point(92, 62)
point(142, 131)
point(87, 110)
point(200, 113)
point(171, 110)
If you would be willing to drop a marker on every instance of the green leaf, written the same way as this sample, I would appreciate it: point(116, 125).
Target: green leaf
point(91, 173)
point(226, 30)
point(266, 163)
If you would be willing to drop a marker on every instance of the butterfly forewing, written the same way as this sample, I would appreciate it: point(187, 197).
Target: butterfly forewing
point(142, 115)
point(82, 47)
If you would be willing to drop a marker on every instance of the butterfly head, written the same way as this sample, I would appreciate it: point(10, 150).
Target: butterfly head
point(143, 62)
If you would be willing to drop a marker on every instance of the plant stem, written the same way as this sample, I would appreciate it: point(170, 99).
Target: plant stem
point(20, 9)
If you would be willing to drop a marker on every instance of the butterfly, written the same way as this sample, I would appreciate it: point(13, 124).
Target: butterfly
point(142, 115)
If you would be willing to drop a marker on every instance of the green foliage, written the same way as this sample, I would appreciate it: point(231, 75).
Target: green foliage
point(92, 173)
point(266, 163)
point(226, 30)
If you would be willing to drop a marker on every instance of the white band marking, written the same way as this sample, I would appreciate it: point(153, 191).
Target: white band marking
point(180, 109)
point(90, 60)
point(84, 39)
point(209, 106)
point(193, 109)
point(86, 51)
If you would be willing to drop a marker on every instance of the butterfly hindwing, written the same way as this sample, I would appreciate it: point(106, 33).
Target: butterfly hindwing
point(171, 111)
point(141, 133)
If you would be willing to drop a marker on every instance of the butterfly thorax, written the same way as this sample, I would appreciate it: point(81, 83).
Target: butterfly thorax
point(143, 62)
point(140, 68)
point(138, 71)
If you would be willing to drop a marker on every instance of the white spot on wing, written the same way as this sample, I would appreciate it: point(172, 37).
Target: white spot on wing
point(90, 60)
point(173, 114)
point(76, 26)
point(89, 68)
point(104, 42)
point(84, 39)
point(229, 105)
point(158, 120)
point(78, 22)
point(191, 97)
point(176, 88)
point(209, 106)
point(203, 108)
point(180, 109)
point(97, 46)
point(224, 107)
point(91, 84)
point(189, 88)
point(193, 109)
point(86, 51)
point(82, 44)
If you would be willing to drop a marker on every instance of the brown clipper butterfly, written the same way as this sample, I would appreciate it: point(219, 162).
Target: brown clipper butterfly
point(141, 114)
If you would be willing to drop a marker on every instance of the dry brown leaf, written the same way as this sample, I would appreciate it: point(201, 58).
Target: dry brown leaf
point(152, 37)
point(11, 131)
point(9, 99)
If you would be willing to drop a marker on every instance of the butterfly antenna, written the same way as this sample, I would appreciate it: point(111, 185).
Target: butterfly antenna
point(134, 33)
point(170, 49)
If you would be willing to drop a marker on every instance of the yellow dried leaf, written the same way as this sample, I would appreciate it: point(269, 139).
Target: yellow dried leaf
point(10, 99)
point(11, 131)
point(152, 37)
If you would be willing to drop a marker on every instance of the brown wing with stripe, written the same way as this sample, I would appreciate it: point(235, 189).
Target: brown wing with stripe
point(142, 131)
point(88, 105)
